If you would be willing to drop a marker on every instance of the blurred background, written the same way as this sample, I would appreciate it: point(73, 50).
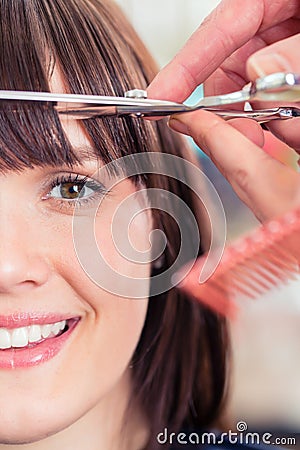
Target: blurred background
point(165, 25)
point(265, 382)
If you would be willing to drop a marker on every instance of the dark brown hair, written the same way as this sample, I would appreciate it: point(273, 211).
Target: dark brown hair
point(179, 366)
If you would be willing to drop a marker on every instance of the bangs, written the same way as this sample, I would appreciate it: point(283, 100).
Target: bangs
point(32, 136)
point(94, 56)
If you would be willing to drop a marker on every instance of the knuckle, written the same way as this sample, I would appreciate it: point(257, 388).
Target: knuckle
point(241, 178)
point(206, 135)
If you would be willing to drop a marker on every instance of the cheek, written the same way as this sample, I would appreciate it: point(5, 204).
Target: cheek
point(108, 255)
point(111, 325)
point(110, 328)
point(121, 237)
point(126, 245)
point(110, 249)
point(116, 333)
point(113, 247)
point(95, 363)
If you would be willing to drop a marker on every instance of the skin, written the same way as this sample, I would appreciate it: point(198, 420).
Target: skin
point(248, 39)
point(78, 399)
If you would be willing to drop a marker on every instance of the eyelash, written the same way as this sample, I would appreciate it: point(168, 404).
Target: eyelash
point(76, 180)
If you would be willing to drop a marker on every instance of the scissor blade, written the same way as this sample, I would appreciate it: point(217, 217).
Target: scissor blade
point(225, 99)
point(152, 110)
point(63, 99)
point(56, 98)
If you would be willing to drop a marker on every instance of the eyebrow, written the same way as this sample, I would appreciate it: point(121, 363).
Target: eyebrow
point(40, 140)
point(85, 153)
point(81, 156)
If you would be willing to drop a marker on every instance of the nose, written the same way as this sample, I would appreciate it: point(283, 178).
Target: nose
point(22, 265)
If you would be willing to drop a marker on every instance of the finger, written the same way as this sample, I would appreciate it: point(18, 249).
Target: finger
point(250, 129)
point(279, 150)
point(268, 187)
point(227, 28)
point(222, 82)
point(283, 56)
point(279, 57)
point(280, 31)
point(232, 74)
point(253, 131)
point(287, 131)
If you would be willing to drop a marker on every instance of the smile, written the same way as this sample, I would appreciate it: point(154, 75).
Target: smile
point(32, 344)
point(24, 336)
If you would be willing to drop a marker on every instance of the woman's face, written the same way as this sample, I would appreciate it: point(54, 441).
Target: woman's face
point(49, 384)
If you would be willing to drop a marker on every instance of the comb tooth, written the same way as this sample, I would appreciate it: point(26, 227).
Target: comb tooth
point(280, 275)
point(214, 294)
point(248, 276)
point(231, 259)
point(256, 266)
point(219, 284)
point(240, 287)
point(253, 289)
point(267, 240)
point(223, 287)
point(241, 281)
point(261, 286)
point(292, 268)
point(250, 270)
point(287, 274)
point(273, 269)
point(238, 283)
point(280, 269)
point(281, 256)
point(277, 262)
point(253, 265)
point(246, 280)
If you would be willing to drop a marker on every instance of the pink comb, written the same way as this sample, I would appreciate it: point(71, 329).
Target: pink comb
point(251, 266)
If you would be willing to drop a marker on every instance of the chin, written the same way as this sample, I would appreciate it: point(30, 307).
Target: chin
point(22, 436)
point(25, 428)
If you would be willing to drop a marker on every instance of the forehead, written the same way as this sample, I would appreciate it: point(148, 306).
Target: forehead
point(39, 137)
point(32, 134)
point(73, 128)
point(56, 82)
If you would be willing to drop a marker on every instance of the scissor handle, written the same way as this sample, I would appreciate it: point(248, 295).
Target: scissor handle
point(277, 87)
point(259, 115)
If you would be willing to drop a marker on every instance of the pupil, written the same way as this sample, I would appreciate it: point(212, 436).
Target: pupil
point(70, 190)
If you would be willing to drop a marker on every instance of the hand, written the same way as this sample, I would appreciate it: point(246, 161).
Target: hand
point(221, 46)
point(239, 34)
point(264, 184)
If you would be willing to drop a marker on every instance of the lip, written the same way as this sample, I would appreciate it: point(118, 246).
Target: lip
point(24, 319)
point(40, 352)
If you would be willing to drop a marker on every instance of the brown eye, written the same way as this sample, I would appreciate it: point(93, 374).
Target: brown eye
point(73, 188)
point(71, 191)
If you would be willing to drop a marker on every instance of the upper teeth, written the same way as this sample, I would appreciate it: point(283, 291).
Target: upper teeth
point(20, 337)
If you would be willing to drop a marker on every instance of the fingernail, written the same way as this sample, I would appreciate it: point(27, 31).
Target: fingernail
point(264, 64)
point(178, 126)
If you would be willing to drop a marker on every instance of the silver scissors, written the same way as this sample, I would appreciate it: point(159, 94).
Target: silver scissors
point(276, 87)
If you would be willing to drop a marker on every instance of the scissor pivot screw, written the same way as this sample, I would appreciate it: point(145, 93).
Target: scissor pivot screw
point(136, 93)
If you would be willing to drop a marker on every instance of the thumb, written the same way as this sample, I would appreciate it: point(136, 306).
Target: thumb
point(282, 56)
